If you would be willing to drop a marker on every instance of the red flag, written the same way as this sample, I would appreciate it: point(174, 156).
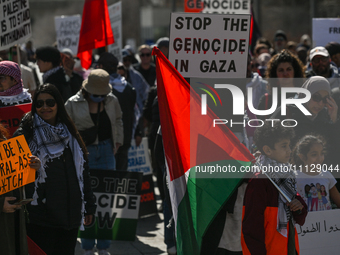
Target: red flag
point(95, 30)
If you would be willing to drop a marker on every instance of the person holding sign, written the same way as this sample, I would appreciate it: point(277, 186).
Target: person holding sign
point(62, 196)
point(12, 91)
point(12, 217)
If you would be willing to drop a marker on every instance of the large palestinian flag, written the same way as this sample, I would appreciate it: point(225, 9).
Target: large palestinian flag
point(192, 144)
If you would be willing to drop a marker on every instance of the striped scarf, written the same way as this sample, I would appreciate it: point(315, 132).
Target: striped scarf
point(48, 143)
point(287, 183)
point(12, 91)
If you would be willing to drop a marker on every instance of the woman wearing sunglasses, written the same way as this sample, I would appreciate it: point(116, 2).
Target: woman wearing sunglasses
point(95, 108)
point(323, 121)
point(62, 197)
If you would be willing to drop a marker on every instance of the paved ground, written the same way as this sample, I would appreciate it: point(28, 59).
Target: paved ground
point(149, 238)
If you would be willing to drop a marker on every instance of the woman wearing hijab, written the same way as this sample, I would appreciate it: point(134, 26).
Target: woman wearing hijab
point(62, 197)
point(323, 119)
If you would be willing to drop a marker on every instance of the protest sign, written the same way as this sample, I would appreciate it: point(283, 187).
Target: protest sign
point(209, 45)
point(67, 32)
point(139, 161)
point(11, 116)
point(325, 31)
point(117, 196)
point(139, 157)
point(320, 234)
point(15, 22)
point(218, 6)
point(115, 12)
point(15, 171)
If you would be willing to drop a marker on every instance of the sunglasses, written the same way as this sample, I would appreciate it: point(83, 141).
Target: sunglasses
point(49, 103)
point(317, 98)
point(145, 55)
point(102, 96)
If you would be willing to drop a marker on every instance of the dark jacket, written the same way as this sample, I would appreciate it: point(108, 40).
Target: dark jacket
point(13, 239)
point(259, 219)
point(59, 202)
point(59, 80)
point(149, 74)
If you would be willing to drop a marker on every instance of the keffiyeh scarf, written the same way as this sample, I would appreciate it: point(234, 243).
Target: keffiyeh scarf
point(287, 183)
point(50, 72)
point(48, 143)
point(16, 99)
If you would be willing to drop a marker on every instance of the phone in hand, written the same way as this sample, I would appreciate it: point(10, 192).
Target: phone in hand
point(23, 201)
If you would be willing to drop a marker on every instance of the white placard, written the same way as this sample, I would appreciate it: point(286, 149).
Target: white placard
point(325, 31)
point(209, 45)
point(320, 234)
point(115, 12)
point(218, 6)
point(139, 157)
point(67, 32)
point(15, 23)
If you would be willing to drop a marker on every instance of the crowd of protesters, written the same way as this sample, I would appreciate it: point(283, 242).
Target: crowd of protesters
point(86, 119)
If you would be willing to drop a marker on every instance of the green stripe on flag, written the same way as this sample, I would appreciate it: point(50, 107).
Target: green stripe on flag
point(202, 202)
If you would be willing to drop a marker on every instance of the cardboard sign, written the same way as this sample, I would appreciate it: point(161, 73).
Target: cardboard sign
point(325, 31)
point(15, 171)
point(115, 12)
point(15, 23)
point(209, 45)
point(117, 197)
point(67, 32)
point(11, 116)
point(320, 234)
point(139, 157)
point(218, 6)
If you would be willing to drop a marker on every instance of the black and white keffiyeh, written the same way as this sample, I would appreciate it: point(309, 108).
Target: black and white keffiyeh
point(287, 183)
point(50, 72)
point(48, 143)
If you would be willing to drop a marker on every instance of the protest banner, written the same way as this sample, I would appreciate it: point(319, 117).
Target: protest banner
point(218, 6)
point(15, 21)
point(325, 31)
point(67, 32)
point(115, 12)
point(15, 171)
point(139, 157)
point(209, 45)
point(11, 116)
point(320, 234)
point(118, 197)
point(139, 161)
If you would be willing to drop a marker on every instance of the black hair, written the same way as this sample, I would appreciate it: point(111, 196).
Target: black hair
point(270, 134)
point(283, 57)
point(62, 115)
point(303, 146)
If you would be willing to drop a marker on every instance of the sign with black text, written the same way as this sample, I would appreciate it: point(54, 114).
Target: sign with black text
point(325, 31)
point(117, 197)
point(15, 21)
point(67, 31)
point(218, 6)
point(11, 116)
point(320, 234)
point(115, 12)
point(209, 45)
